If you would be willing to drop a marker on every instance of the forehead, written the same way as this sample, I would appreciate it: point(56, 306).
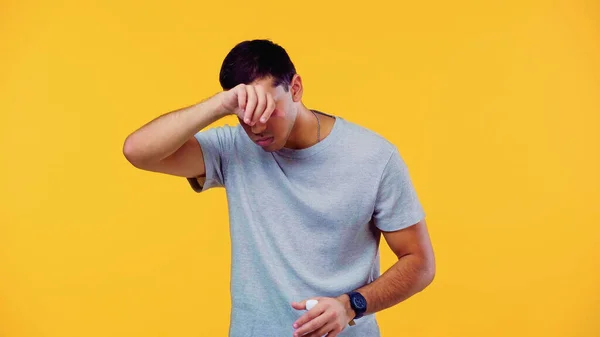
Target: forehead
point(267, 83)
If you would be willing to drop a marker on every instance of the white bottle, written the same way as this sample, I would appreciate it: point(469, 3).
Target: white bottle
point(311, 304)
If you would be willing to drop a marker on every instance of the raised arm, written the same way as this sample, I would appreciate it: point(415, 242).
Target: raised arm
point(167, 143)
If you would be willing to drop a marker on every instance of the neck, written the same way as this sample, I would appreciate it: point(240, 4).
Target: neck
point(304, 132)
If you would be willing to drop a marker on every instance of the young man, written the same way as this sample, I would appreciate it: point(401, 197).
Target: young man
point(309, 196)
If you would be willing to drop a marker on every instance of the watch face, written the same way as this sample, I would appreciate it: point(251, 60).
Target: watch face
point(359, 302)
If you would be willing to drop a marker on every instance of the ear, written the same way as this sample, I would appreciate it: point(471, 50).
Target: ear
point(296, 88)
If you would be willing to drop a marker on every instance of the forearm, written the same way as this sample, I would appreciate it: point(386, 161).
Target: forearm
point(165, 134)
point(408, 276)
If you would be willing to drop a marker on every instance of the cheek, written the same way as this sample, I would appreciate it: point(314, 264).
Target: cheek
point(277, 126)
point(278, 113)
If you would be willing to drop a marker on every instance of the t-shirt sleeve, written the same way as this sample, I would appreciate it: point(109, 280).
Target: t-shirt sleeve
point(397, 204)
point(216, 144)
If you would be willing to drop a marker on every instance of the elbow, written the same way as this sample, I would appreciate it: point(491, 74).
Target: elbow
point(424, 272)
point(428, 270)
point(132, 152)
point(429, 275)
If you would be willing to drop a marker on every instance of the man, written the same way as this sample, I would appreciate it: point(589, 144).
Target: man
point(309, 195)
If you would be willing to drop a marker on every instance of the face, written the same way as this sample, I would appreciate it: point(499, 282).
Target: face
point(274, 134)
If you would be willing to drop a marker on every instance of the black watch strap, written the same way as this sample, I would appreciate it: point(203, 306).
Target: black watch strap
point(358, 303)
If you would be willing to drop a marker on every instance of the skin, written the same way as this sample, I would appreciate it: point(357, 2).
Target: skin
point(167, 145)
point(413, 272)
point(266, 111)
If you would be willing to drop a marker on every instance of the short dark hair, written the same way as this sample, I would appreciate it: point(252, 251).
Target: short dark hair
point(256, 59)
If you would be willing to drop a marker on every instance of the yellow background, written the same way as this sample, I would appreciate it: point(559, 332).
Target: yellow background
point(494, 105)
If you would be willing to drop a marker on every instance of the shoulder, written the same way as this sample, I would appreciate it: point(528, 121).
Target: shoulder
point(364, 133)
point(365, 142)
point(223, 133)
point(226, 128)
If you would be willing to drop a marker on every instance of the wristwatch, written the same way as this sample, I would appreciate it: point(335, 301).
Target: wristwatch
point(358, 303)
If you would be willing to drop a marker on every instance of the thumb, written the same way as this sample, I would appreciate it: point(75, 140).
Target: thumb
point(299, 305)
point(302, 304)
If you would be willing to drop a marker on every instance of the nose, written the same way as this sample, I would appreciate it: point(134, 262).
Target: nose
point(258, 128)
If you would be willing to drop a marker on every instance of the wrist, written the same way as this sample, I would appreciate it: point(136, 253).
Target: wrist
point(213, 108)
point(345, 300)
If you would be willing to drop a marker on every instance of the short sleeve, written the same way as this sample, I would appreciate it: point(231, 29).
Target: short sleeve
point(397, 204)
point(216, 144)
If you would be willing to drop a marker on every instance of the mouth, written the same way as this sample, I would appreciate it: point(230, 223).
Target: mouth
point(264, 141)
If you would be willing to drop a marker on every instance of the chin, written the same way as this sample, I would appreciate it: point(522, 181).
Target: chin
point(271, 148)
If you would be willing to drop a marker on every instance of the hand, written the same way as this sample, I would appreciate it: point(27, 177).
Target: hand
point(329, 317)
point(251, 103)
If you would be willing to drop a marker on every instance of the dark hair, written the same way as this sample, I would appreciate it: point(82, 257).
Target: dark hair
point(256, 59)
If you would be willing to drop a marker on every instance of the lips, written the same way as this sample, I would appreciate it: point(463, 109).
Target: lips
point(264, 141)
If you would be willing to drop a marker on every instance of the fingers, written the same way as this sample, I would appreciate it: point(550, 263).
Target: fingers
point(250, 104)
point(314, 312)
point(328, 329)
point(299, 305)
point(327, 317)
point(318, 326)
point(241, 96)
point(255, 103)
point(269, 109)
point(309, 315)
point(261, 104)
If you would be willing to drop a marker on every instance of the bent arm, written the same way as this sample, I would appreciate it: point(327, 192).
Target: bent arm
point(167, 144)
point(413, 272)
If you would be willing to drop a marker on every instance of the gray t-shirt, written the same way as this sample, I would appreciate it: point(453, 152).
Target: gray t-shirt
point(305, 223)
